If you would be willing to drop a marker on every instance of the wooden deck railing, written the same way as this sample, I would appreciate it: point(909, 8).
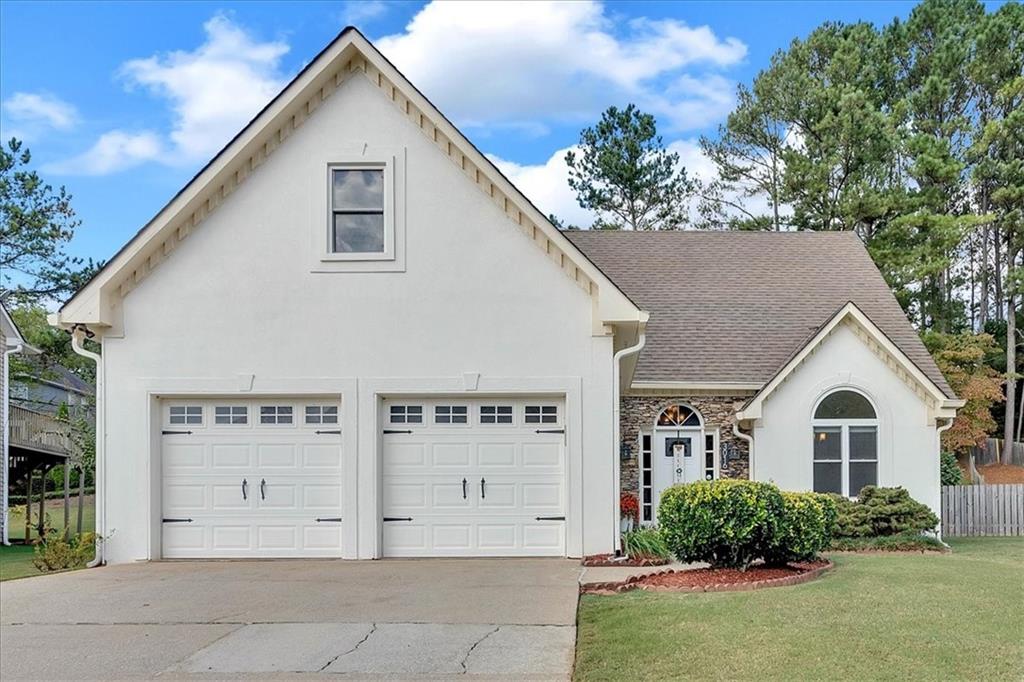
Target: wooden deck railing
point(37, 431)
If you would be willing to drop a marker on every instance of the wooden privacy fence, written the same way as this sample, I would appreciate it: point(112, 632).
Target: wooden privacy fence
point(992, 452)
point(973, 510)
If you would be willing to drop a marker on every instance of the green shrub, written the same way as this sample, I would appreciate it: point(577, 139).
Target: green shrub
point(806, 527)
point(901, 542)
point(56, 552)
point(882, 511)
point(645, 543)
point(949, 471)
point(726, 523)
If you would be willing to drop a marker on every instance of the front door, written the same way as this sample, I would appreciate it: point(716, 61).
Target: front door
point(676, 461)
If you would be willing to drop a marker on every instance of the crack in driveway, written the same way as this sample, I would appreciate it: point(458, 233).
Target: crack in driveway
point(373, 629)
point(475, 645)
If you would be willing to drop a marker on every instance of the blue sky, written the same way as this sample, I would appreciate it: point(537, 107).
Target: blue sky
point(123, 102)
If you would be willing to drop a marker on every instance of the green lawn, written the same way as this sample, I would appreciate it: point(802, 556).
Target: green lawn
point(906, 616)
point(16, 560)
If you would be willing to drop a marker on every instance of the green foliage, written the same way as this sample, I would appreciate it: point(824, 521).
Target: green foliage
point(901, 542)
point(55, 345)
point(949, 471)
point(36, 224)
point(645, 543)
point(726, 523)
point(623, 172)
point(57, 552)
point(882, 511)
point(805, 528)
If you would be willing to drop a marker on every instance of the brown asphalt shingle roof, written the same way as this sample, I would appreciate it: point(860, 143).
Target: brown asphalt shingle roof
point(735, 306)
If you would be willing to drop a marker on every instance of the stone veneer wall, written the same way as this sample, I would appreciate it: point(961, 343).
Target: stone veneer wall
point(640, 412)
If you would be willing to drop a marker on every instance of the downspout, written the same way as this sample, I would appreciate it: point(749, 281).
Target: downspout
point(617, 429)
point(750, 447)
point(77, 333)
point(938, 438)
point(5, 420)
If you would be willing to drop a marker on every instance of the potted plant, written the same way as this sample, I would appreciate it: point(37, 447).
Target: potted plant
point(629, 512)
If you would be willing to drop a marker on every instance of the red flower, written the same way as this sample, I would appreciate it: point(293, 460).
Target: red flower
point(628, 506)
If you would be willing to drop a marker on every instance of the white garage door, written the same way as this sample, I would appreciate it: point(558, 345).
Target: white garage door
point(474, 478)
point(254, 478)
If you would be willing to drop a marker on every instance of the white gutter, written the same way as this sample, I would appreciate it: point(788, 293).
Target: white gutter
point(617, 430)
point(77, 333)
point(938, 440)
point(5, 419)
point(750, 447)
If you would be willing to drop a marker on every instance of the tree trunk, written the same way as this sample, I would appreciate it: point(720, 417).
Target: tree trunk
point(81, 497)
point(1011, 373)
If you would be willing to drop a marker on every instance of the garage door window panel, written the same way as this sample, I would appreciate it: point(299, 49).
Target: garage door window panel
point(230, 415)
point(495, 414)
point(541, 414)
point(406, 414)
point(276, 414)
point(321, 414)
point(185, 415)
point(451, 414)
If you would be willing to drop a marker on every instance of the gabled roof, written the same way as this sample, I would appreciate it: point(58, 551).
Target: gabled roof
point(878, 341)
point(10, 330)
point(349, 55)
point(54, 375)
point(735, 307)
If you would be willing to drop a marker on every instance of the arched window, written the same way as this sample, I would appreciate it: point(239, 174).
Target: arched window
point(845, 443)
point(678, 415)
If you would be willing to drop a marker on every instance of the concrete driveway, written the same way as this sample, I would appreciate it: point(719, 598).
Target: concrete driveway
point(492, 618)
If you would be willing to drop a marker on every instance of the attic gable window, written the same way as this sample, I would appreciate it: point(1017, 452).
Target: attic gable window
point(357, 211)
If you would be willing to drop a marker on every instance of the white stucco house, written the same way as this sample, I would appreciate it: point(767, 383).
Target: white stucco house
point(350, 336)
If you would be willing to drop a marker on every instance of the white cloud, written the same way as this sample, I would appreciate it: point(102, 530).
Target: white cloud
point(358, 13)
point(501, 62)
point(213, 91)
point(42, 109)
point(115, 151)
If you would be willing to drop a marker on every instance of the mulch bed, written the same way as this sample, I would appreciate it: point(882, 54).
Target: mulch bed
point(716, 579)
point(612, 560)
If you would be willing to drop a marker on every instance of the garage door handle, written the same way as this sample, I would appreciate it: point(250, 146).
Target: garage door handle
point(263, 488)
point(483, 489)
point(463, 488)
point(398, 518)
point(245, 484)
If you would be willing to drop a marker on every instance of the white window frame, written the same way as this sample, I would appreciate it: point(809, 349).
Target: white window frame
point(331, 157)
point(277, 415)
point(404, 413)
point(232, 407)
point(387, 171)
point(540, 415)
point(511, 414)
point(844, 439)
point(316, 418)
point(186, 406)
point(466, 414)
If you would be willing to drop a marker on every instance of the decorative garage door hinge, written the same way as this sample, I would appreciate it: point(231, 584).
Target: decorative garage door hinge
point(168, 432)
point(335, 519)
point(177, 520)
point(398, 518)
point(397, 430)
point(549, 518)
point(334, 431)
point(550, 430)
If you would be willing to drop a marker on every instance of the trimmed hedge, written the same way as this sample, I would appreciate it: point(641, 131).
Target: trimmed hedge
point(726, 523)
point(808, 521)
point(901, 542)
point(882, 511)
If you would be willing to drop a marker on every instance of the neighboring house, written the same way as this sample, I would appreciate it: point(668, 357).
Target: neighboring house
point(349, 335)
point(45, 387)
point(11, 342)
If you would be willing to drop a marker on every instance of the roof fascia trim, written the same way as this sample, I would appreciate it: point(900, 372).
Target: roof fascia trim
point(753, 409)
